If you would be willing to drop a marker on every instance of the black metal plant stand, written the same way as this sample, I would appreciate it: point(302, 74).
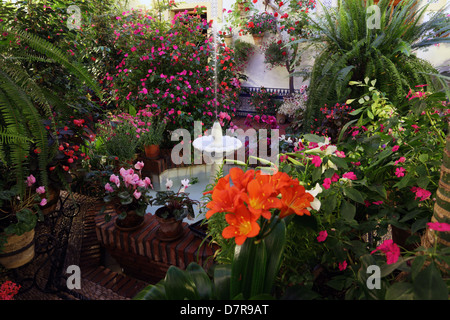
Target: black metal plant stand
point(47, 271)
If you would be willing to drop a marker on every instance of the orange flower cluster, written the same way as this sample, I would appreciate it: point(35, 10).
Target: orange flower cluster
point(251, 195)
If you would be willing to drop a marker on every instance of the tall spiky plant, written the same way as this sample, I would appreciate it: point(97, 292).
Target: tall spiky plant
point(24, 105)
point(355, 51)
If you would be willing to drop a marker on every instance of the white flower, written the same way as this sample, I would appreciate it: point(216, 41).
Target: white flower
point(185, 183)
point(169, 183)
point(314, 192)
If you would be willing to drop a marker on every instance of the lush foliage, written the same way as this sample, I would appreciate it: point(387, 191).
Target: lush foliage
point(264, 102)
point(355, 51)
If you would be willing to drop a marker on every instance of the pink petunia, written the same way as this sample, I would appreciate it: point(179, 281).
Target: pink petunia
point(316, 161)
point(391, 250)
point(395, 148)
point(400, 172)
point(43, 202)
point(439, 226)
point(349, 175)
point(322, 236)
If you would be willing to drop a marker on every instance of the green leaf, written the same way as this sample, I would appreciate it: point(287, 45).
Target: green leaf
point(348, 210)
point(179, 285)
point(152, 292)
point(222, 279)
point(354, 194)
point(400, 291)
point(202, 282)
point(274, 243)
point(429, 285)
point(313, 138)
point(417, 265)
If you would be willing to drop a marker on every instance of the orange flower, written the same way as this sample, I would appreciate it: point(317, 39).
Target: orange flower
point(224, 199)
point(242, 225)
point(260, 198)
point(240, 178)
point(294, 199)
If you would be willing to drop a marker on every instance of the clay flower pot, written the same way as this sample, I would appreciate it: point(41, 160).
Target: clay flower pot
point(131, 222)
point(258, 38)
point(152, 151)
point(228, 40)
point(169, 228)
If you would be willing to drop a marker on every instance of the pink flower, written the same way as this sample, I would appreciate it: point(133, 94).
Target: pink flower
point(349, 175)
point(108, 188)
point(391, 250)
point(399, 172)
point(335, 177)
point(421, 193)
point(340, 154)
point(139, 165)
point(322, 236)
point(148, 182)
point(137, 194)
point(40, 190)
point(327, 183)
point(395, 148)
point(316, 161)
point(30, 180)
point(43, 202)
point(342, 265)
point(401, 160)
point(115, 179)
point(439, 226)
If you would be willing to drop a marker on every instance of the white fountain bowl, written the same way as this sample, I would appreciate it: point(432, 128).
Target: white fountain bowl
point(228, 145)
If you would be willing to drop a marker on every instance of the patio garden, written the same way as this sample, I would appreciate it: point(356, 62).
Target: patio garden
point(353, 204)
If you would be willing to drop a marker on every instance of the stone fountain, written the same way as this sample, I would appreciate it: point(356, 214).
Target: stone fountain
point(216, 146)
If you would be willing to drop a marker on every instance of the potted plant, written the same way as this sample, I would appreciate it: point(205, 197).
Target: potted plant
point(117, 140)
point(151, 132)
point(175, 207)
point(227, 33)
point(128, 193)
point(292, 105)
point(258, 24)
point(18, 218)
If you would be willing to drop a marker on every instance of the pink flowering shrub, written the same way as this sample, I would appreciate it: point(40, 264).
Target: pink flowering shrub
point(169, 66)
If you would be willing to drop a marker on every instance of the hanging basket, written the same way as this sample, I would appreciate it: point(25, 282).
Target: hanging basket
point(18, 250)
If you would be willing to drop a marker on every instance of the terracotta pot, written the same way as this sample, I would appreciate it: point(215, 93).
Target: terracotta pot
point(131, 222)
point(152, 151)
point(169, 228)
point(281, 118)
point(258, 39)
point(228, 40)
point(18, 250)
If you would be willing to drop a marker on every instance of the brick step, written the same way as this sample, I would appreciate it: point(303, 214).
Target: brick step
point(119, 284)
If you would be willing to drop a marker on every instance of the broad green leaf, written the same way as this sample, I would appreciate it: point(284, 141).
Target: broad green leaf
point(274, 244)
point(354, 194)
point(179, 285)
point(222, 277)
point(400, 291)
point(348, 210)
point(201, 279)
point(429, 285)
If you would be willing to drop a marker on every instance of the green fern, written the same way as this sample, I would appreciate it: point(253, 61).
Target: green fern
point(355, 52)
